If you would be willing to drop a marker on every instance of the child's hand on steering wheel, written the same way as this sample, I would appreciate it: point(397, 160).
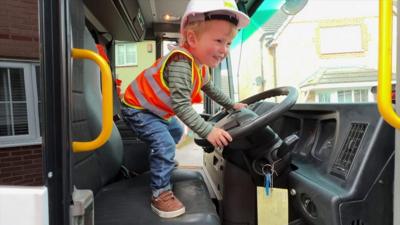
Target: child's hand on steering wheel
point(239, 105)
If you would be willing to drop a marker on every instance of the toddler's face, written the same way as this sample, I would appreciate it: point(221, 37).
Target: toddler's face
point(212, 46)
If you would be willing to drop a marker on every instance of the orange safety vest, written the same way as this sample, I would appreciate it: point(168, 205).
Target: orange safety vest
point(149, 90)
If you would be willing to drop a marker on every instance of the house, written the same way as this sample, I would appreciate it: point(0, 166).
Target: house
point(127, 63)
point(329, 51)
point(20, 137)
point(343, 85)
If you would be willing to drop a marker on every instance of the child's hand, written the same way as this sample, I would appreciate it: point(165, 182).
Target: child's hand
point(239, 105)
point(219, 137)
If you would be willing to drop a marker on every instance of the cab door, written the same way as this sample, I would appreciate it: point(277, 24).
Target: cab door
point(55, 69)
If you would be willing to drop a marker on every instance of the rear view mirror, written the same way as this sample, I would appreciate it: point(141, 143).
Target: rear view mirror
point(292, 7)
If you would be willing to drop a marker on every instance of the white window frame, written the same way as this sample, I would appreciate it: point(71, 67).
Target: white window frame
point(125, 63)
point(353, 98)
point(33, 137)
point(344, 96)
point(365, 91)
point(324, 95)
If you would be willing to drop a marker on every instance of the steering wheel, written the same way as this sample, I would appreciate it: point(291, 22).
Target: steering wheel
point(241, 123)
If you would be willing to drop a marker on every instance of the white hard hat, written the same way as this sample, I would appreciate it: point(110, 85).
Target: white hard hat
point(198, 10)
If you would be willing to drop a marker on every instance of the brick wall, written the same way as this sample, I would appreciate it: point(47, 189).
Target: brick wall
point(21, 166)
point(19, 33)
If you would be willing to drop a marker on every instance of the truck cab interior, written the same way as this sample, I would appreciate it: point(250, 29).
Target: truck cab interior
point(336, 160)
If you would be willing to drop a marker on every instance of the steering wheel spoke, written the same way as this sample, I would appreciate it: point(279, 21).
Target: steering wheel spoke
point(241, 123)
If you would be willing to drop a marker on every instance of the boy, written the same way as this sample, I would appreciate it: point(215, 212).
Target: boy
point(173, 84)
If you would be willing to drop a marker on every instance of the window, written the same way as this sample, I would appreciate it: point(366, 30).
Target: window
point(344, 96)
point(361, 95)
point(167, 45)
point(324, 97)
point(349, 40)
point(126, 54)
point(357, 95)
point(19, 118)
point(224, 77)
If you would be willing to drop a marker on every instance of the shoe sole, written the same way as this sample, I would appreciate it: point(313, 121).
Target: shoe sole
point(171, 214)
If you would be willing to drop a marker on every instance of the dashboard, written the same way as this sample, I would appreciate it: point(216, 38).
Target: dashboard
point(341, 168)
point(342, 165)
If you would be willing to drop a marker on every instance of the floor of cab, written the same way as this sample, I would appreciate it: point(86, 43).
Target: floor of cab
point(190, 157)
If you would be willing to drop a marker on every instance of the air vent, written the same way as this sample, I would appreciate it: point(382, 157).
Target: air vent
point(357, 222)
point(349, 150)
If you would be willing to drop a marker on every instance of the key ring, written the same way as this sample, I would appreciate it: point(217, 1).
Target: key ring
point(263, 168)
point(273, 171)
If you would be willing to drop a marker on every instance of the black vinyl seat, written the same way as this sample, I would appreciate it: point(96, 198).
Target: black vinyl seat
point(120, 201)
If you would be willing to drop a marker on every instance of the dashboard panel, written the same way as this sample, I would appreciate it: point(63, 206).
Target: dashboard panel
point(342, 165)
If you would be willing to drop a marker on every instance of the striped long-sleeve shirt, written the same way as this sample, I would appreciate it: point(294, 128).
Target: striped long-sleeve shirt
point(177, 75)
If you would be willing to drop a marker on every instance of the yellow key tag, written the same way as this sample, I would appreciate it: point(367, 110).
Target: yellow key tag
point(274, 208)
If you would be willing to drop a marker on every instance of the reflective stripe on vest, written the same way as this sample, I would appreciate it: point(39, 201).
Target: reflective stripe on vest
point(160, 96)
point(156, 87)
point(144, 103)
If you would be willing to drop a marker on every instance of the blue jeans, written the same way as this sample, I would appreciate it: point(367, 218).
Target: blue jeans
point(161, 136)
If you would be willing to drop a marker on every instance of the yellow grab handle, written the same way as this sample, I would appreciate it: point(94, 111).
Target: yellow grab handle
point(385, 64)
point(107, 102)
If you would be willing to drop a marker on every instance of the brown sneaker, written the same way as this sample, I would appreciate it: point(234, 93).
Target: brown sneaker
point(166, 205)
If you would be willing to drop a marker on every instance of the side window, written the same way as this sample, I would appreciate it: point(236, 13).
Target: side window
point(19, 117)
point(167, 46)
point(126, 54)
point(225, 78)
point(222, 79)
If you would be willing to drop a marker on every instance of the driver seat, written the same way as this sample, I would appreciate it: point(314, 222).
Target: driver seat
point(120, 201)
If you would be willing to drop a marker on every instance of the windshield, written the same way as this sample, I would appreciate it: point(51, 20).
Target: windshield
point(328, 50)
